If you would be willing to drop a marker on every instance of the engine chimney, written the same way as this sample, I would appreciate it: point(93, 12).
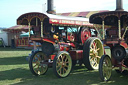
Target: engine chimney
point(50, 7)
point(119, 5)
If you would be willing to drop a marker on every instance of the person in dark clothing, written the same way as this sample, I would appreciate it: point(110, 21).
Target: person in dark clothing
point(126, 37)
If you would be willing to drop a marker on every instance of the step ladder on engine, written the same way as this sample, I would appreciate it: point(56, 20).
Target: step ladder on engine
point(2, 42)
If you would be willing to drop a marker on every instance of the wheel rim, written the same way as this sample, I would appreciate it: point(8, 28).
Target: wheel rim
point(107, 68)
point(39, 68)
point(63, 64)
point(85, 34)
point(96, 51)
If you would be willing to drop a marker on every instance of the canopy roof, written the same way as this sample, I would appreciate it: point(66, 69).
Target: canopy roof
point(86, 14)
point(53, 19)
point(17, 28)
point(110, 18)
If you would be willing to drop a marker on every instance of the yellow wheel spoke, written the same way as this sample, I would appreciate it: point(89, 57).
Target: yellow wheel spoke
point(39, 72)
point(65, 69)
point(39, 59)
point(58, 65)
point(66, 59)
point(61, 58)
point(66, 62)
point(35, 65)
point(38, 67)
point(65, 65)
point(92, 59)
point(98, 57)
point(34, 58)
point(97, 49)
point(34, 62)
point(59, 71)
point(91, 53)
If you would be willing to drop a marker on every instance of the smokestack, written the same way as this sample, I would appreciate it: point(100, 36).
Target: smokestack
point(50, 7)
point(119, 5)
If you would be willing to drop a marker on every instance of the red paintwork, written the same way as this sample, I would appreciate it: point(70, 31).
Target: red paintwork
point(76, 54)
point(124, 44)
point(50, 40)
point(66, 46)
point(69, 22)
point(85, 34)
point(63, 48)
point(52, 57)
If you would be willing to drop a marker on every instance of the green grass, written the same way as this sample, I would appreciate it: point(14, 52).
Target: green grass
point(14, 70)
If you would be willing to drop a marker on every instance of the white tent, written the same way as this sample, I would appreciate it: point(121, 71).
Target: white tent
point(4, 36)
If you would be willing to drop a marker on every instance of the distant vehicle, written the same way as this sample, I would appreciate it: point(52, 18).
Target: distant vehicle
point(116, 37)
point(65, 41)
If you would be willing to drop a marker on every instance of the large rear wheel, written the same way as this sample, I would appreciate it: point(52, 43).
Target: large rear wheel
point(35, 63)
point(105, 68)
point(62, 64)
point(92, 52)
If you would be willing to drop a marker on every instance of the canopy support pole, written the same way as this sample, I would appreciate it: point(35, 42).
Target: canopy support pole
point(97, 31)
point(36, 21)
point(103, 29)
point(119, 28)
point(29, 29)
point(41, 28)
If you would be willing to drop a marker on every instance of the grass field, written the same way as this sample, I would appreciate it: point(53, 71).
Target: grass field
point(14, 70)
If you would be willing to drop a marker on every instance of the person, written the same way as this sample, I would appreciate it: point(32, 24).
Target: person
point(63, 34)
point(126, 36)
point(34, 45)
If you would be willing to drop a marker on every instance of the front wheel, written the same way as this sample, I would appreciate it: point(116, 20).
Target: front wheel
point(105, 68)
point(62, 64)
point(92, 52)
point(35, 63)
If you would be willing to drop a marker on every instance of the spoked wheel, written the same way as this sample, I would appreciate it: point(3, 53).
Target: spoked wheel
point(92, 52)
point(105, 68)
point(85, 34)
point(35, 63)
point(118, 52)
point(62, 64)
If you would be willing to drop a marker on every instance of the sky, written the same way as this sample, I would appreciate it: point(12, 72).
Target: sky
point(10, 10)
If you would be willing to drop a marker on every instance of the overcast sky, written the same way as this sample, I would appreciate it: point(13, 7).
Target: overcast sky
point(10, 10)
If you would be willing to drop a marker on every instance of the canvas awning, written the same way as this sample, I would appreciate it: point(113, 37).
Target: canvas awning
point(17, 28)
point(86, 14)
point(26, 34)
point(53, 19)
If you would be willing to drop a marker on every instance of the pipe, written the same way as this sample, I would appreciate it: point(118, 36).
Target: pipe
point(119, 5)
point(50, 7)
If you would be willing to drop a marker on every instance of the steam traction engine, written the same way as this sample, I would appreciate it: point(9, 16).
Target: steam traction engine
point(116, 37)
point(64, 42)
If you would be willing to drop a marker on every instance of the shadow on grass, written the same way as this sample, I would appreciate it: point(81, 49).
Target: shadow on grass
point(14, 74)
point(13, 49)
point(77, 77)
point(13, 60)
